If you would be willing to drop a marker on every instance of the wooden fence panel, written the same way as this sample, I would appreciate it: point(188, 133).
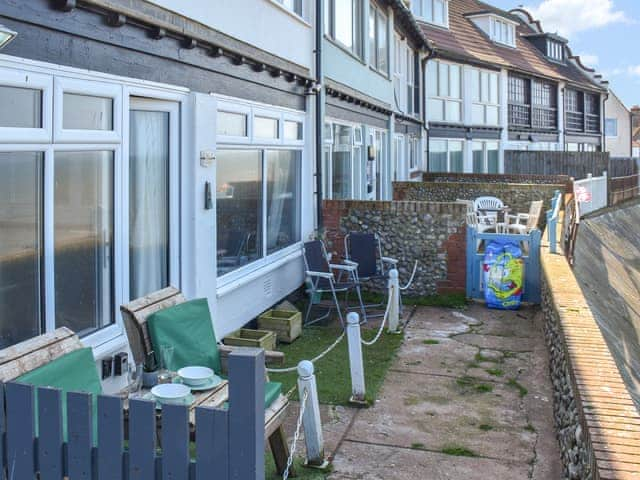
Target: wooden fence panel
point(574, 164)
point(227, 440)
point(50, 441)
point(20, 431)
point(110, 438)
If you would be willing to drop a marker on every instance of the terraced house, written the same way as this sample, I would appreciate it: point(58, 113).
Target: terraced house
point(497, 81)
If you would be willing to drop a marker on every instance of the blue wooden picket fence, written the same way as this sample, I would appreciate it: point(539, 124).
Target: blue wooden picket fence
point(229, 444)
point(530, 245)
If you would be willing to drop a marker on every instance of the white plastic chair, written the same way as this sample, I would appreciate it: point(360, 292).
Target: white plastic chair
point(523, 223)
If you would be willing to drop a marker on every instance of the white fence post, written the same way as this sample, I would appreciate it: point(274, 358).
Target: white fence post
point(311, 418)
point(394, 298)
point(356, 364)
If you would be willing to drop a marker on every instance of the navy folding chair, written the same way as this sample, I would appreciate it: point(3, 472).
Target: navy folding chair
point(321, 279)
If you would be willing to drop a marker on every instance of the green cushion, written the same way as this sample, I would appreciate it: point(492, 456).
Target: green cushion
point(271, 392)
point(189, 329)
point(74, 372)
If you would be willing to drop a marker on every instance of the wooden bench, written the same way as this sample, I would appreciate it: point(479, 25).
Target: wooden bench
point(135, 316)
point(36, 352)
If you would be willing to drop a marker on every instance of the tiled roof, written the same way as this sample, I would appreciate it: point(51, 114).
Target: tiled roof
point(464, 41)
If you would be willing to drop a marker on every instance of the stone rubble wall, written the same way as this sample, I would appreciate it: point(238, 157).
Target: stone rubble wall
point(497, 178)
point(432, 233)
point(598, 425)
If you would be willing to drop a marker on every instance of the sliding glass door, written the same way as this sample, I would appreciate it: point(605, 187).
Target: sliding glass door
point(153, 144)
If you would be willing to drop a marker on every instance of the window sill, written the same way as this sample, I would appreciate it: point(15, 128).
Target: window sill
point(380, 72)
point(248, 274)
point(290, 13)
point(344, 49)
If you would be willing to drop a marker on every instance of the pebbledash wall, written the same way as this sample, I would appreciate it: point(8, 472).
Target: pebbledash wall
point(432, 233)
point(518, 196)
point(597, 423)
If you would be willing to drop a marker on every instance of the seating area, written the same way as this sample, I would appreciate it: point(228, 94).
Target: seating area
point(490, 214)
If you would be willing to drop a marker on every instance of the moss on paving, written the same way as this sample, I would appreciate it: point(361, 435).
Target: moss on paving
point(418, 446)
point(458, 451)
point(431, 341)
point(467, 382)
point(302, 472)
point(496, 372)
point(332, 371)
point(522, 391)
point(485, 427)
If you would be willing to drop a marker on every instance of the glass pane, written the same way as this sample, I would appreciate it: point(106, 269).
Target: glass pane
point(477, 114)
point(21, 107)
point(383, 63)
point(492, 115)
point(148, 202)
point(455, 157)
point(493, 88)
point(343, 17)
point(231, 124)
point(83, 240)
point(454, 89)
point(436, 110)
point(478, 157)
point(238, 208)
point(475, 85)
point(20, 246)
point(264, 127)
point(484, 87)
point(292, 130)
point(443, 80)
point(432, 79)
point(373, 49)
point(438, 12)
point(87, 112)
point(283, 199)
point(438, 156)
point(453, 111)
point(341, 162)
point(493, 157)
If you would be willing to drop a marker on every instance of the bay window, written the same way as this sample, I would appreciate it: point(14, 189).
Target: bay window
point(378, 39)
point(486, 157)
point(444, 89)
point(446, 155)
point(582, 111)
point(484, 94)
point(343, 23)
point(258, 187)
point(532, 103)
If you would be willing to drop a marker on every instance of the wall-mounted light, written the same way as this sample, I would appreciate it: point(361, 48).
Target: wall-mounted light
point(6, 35)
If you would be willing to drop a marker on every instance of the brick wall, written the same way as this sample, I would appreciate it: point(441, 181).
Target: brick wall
point(597, 422)
point(430, 232)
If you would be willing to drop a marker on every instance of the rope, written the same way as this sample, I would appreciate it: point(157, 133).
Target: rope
point(313, 360)
point(292, 450)
point(384, 319)
point(413, 274)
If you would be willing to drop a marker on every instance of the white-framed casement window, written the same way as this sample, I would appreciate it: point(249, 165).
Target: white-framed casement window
point(485, 97)
point(342, 156)
point(486, 157)
point(398, 72)
point(503, 31)
point(343, 23)
point(555, 50)
point(295, 6)
point(446, 155)
point(413, 151)
point(258, 188)
point(611, 127)
point(432, 11)
point(400, 153)
point(444, 89)
point(410, 56)
point(378, 39)
point(67, 206)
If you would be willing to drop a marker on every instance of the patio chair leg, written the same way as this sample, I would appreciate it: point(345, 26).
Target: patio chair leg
point(280, 451)
point(364, 311)
point(309, 307)
point(335, 299)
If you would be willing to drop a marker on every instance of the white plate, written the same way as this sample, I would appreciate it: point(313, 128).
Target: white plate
point(195, 376)
point(170, 392)
point(187, 401)
point(211, 383)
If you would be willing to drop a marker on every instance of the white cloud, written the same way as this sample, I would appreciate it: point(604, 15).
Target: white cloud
point(634, 70)
point(571, 16)
point(589, 60)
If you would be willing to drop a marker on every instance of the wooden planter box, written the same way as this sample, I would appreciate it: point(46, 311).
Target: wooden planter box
point(286, 324)
point(252, 338)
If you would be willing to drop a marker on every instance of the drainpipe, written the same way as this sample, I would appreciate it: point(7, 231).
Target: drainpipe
point(603, 122)
point(424, 102)
point(319, 109)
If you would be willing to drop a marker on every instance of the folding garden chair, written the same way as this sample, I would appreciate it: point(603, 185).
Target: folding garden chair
point(321, 279)
point(366, 251)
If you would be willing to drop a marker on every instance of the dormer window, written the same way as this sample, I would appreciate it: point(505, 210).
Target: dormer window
point(555, 50)
point(432, 11)
point(499, 29)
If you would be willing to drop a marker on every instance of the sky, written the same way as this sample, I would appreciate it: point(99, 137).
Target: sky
point(605, 33)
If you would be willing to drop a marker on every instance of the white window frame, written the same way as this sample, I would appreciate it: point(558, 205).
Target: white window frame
point(62, 85)
point(414, 145)
point(13, 78)
point(503, 31)
point(229, 104)
point(611, 119)
point(485, 155)
point(398, 71)
point(381, 16)
point(228, 107)
point(409, 59)
point(420, 8)
point(446, 98)
point(485, 104)
point(448, 144)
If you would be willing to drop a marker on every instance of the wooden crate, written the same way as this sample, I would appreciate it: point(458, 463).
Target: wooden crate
point(286, 324)
point(252, 338)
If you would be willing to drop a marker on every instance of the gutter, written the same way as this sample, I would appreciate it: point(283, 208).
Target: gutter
point(423, 92)
point(318, 112)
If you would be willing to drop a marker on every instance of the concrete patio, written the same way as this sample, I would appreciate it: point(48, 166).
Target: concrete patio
point(468, 397)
